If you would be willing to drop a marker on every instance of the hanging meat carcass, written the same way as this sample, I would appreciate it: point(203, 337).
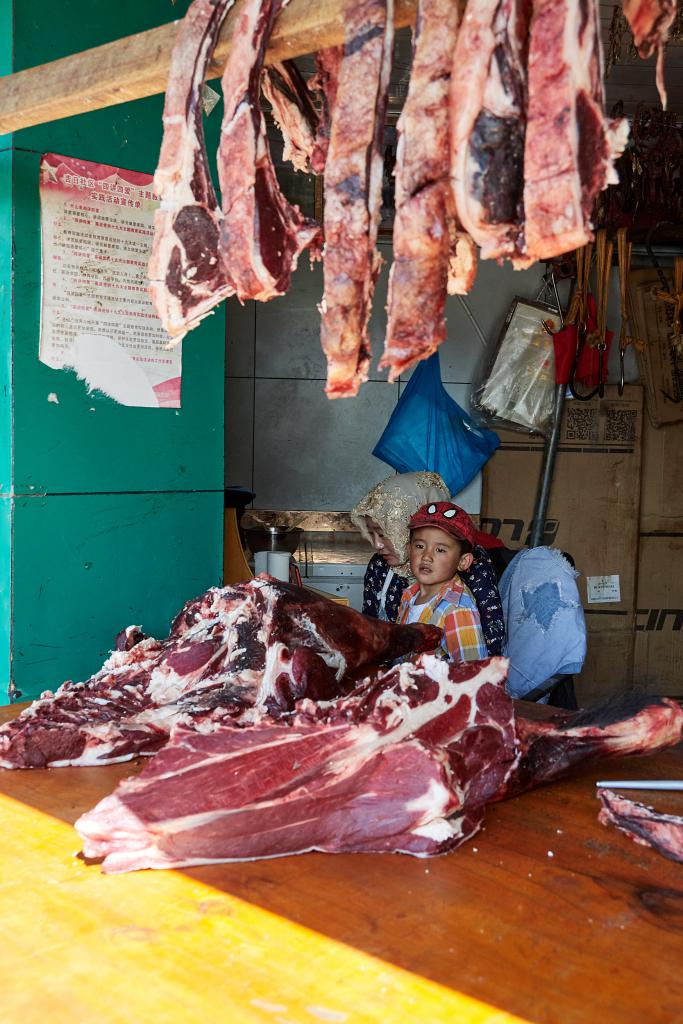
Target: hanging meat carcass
point(427, 244)
point(186, 273)
point(488, 100)
point(353, 188)
point(288, 94)
point(262, 234)
point(570, 145)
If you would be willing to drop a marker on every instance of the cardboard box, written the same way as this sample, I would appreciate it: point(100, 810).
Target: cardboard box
point(594, 506)
point(658, 656)
point(608, 667)
point(661, 371)
point(661, 495)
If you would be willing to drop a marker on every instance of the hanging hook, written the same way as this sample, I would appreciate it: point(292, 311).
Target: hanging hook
point(599, 389)
point(622, 375)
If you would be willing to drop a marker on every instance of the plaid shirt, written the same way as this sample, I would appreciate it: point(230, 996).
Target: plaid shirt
point(454, 609)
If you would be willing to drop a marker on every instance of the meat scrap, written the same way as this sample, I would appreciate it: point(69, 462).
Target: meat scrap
point(404, 764)
point(663, 832)
point(353, 187)
point(287, 92)
point(262, 234)
point(570, 145)
point(187, 276)
point(262, 643)
point(637, 724)
point(424, 218)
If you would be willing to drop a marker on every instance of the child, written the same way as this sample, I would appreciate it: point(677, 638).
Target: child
point(441, 542)
point(382, 518)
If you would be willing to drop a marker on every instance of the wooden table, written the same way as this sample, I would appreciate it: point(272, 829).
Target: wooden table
point(546, 915)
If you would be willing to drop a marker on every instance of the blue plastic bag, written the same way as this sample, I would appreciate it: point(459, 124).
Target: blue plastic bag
point(429, 430)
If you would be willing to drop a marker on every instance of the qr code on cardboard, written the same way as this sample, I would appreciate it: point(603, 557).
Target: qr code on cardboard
point(582, 423)
point(620, 425)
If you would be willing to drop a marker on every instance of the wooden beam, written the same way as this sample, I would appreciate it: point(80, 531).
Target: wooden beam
point(137, 66)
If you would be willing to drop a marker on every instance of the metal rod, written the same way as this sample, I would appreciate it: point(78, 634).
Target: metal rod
point(474, 321)
point(547, 469)
point(663, 784)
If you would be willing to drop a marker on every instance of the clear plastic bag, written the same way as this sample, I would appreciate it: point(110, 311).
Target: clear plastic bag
point(428, 430)
point(518, 390)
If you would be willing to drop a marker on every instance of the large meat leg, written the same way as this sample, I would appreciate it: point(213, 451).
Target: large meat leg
point(404, 764)
point(639, 724)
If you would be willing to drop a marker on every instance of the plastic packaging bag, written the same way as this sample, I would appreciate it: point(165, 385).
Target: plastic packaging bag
point(519, 388)
point(428, 430)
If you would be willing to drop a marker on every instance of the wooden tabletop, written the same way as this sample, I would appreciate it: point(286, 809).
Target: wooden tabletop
point(545, 914)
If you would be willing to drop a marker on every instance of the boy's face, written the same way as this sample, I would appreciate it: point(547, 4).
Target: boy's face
point(435, 556)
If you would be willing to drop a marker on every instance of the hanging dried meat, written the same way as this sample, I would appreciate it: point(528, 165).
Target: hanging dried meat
point(323, 85)
point(353, 188)
point(262, 235)
point(570, 145)
point(424, 223)
point(488, 114)
point(287, 92)
point(187, 276)
point(650, 22)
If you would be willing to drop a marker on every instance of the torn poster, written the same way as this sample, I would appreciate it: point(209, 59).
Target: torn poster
point(97, 225)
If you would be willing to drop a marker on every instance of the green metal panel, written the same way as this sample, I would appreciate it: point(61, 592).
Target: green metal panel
point(6, 500)
point(6, 514)
point(91, 565)
point(88, 442)
point(5, 322)
point(6, 40)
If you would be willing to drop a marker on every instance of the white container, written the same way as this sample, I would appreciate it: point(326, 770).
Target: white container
point(260, 562)
point(278, 564)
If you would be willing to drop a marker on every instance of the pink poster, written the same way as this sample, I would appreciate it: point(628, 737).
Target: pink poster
point(97, 225)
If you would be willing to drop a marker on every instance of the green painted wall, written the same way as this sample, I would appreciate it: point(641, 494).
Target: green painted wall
point(112, 514)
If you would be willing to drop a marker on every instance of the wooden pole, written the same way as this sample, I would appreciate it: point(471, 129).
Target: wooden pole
point(138, 65)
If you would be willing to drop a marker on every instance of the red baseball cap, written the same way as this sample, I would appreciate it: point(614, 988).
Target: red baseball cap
point(446, 516)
